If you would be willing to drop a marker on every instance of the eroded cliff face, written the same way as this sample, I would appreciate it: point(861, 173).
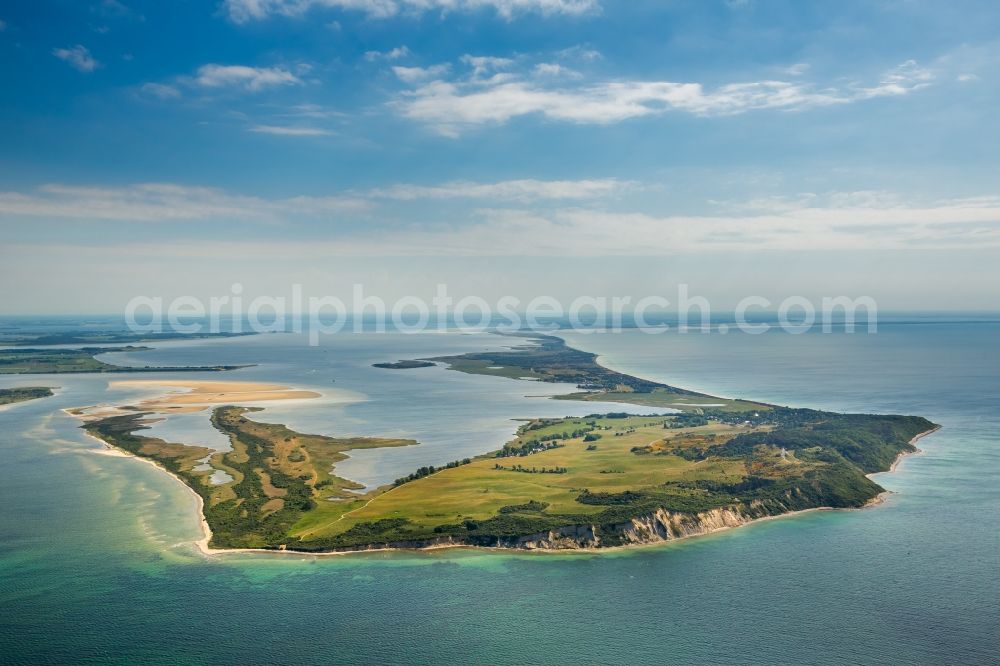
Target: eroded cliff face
point(656, 527)
point(663, 525)
point(564, 538)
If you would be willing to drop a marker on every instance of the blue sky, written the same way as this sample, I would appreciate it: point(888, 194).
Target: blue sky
point(501, 146)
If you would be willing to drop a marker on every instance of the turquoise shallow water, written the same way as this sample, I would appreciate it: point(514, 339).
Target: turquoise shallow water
point(96, 563)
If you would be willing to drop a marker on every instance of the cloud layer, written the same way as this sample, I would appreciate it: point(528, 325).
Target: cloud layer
point(583, 221)
point(488, 92)
point(509, 190)
point(289, 130)
point(155, 202)
point(243, 11)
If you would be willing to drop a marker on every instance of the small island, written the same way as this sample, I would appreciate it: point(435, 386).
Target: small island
point(405, 365)
point(9, 396)
point(599, 481)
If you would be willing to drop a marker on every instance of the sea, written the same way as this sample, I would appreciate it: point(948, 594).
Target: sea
point(97, 562)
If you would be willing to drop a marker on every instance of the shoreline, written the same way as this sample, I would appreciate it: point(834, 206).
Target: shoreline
point(883, 497)
point(206, 550)
point(113, 451)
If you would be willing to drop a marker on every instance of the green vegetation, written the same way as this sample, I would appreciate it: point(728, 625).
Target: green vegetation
point(531, 506)
point(428, 470)
point(404, 365)
point(769, 467)
point(12, 395)
point(869, 442)
point(549, 359)
point(284, 494)
point(54, 361)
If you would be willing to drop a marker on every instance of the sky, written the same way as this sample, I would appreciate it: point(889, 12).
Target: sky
point(501, 147)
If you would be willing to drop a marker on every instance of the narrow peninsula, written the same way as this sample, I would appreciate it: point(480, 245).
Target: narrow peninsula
point(548, 358)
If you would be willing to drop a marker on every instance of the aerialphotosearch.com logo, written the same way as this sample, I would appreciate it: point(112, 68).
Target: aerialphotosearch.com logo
point(327, 315)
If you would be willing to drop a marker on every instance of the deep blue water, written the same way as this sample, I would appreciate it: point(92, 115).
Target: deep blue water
point(96, 563)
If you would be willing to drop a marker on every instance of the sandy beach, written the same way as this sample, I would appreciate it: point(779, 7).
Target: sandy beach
point(197, 395)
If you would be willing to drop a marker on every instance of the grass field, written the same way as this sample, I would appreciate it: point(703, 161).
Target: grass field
point(479, 490)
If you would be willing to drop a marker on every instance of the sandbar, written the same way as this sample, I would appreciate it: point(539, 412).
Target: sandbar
point(197, 395)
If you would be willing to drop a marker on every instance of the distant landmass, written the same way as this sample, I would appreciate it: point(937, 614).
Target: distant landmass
point(102, 337)
point(19, 361)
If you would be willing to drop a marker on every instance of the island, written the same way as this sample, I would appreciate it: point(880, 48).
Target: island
point(604, 480)
point(9, 396)
point(405, 365)
point(23, 361)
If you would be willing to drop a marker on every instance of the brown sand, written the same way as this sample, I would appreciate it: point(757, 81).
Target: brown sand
point(199, 395)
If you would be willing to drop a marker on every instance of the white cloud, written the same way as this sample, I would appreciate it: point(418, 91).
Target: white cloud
point(153, 202)
point(282, 130)
point(161, 90)
point(78, 57)
point(946, 225)
point(900, 80)
point(243, 11)
point(313, 111)
point(556, 70)
point(415, 74)
point(484, 64)
point(253, 79)
point(798, 69)
point(150, 202)
point(579, 52)
point(509, 190)
point(392, 54)
point(462, 102)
